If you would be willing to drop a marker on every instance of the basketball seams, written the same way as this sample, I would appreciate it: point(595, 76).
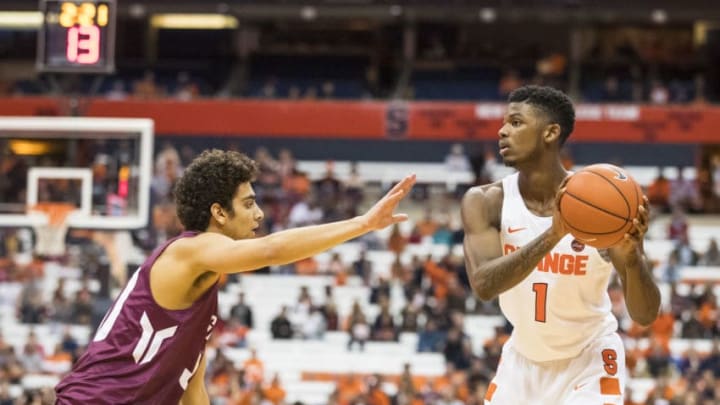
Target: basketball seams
point(627, 203)
point(596, 207)
point(594, 233)
point(591, 233)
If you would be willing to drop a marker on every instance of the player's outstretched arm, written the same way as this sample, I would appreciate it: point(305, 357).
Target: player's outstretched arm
point(215, 252)
point(642, 295)
point(490, 273)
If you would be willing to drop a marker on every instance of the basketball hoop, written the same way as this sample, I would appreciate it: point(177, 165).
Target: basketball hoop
point(50, 234)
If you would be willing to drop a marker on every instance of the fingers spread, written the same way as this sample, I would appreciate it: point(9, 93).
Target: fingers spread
point(406, 183)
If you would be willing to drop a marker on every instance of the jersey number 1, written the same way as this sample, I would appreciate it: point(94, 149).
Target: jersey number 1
point(540, 290)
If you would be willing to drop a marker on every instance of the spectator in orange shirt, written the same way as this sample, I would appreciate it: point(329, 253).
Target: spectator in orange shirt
point(254, 369)
point(428, 225)
point(349, 387)
point(658, 192)
point(407, 385)
point(439, 277)
point(274, 392)
point(297, 185)
point(376, 396)
point(451, 383)
point(663, 327)
point(396, 241)
point(58, 362)
point(337, 268)
point(707, 313)
point(306, 267)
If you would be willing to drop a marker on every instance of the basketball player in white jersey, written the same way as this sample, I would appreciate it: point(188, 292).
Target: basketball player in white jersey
point(564, 349)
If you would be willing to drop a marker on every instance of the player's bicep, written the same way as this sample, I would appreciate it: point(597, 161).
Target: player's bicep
point(482, 246)
point(482, 239)
point(215, 252)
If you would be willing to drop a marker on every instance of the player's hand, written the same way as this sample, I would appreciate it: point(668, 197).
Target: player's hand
point(559, 228)
point(381, 214)
point(635, 235)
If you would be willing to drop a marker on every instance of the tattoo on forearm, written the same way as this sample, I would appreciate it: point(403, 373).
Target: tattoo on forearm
point(505, 272)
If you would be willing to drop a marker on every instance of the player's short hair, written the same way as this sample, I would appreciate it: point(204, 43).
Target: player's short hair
point(556, 104)
point(212, 177)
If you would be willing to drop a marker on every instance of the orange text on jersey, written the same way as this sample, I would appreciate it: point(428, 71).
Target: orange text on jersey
point(559, 263)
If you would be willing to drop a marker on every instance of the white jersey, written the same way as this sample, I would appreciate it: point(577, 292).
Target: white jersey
point(563, 305)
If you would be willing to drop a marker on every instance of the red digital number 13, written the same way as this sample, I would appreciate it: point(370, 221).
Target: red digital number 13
point(83, 44)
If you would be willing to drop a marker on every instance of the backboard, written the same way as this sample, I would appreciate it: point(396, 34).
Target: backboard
point(101, 165)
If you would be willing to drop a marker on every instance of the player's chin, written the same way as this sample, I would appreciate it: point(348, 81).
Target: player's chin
point(509, 161)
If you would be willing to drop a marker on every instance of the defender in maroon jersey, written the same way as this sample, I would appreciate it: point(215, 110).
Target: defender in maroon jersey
point(149, 348)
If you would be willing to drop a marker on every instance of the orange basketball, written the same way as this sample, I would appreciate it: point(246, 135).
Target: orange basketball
point(600, 204)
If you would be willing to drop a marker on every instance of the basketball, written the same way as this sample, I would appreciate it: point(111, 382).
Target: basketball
point(599, 204)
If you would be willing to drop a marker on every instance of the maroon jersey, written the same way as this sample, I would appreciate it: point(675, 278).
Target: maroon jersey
point(142, 353)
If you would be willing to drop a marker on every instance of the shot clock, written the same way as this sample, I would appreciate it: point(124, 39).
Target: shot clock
point(77, 36)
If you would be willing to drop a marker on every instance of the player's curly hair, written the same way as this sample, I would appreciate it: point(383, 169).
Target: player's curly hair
point(212, 177)
point(554, 103)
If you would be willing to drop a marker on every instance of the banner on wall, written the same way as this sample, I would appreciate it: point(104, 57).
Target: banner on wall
point(382, 120)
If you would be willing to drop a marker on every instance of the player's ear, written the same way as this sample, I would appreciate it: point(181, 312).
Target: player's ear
point(552, 133)
point(218, 213)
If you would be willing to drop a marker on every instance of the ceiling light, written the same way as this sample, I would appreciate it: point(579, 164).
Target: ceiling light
point(659, 16)
point(487, 14)
point(194, 21)
point(20, 19)
point(308, 13)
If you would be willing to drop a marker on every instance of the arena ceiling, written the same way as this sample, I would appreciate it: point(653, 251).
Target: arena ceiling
point(638, 11)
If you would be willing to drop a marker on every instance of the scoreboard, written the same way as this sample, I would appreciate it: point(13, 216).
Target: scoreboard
point(77, 36)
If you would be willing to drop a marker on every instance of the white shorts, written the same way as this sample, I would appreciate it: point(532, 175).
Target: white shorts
point(595, 377)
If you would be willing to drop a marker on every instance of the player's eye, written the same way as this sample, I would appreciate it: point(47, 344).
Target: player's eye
point(515, 123)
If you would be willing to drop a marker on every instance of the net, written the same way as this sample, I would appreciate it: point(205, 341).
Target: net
point(50, 235)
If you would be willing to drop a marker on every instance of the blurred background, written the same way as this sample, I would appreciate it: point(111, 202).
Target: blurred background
point(336, 100)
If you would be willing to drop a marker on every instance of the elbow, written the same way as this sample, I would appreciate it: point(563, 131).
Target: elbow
point(479, 286)
point(646, 319)
point(481, 291)
point(486, 295)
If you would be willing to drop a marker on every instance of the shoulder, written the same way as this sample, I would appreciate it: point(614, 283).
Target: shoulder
point(483, 204)
point(178, 276)
point(483, 196)
point(185, 252)
point(191, 244)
